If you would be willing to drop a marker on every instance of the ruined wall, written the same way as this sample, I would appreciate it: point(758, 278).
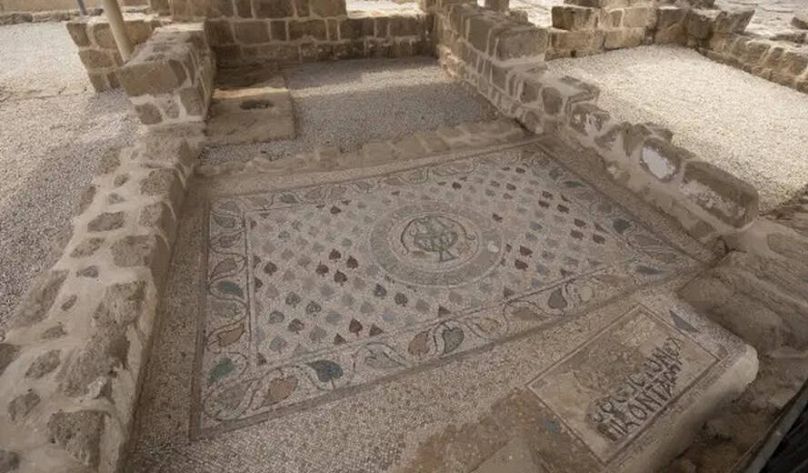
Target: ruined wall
point(97, 48)
point(502, 60)
point(71, 362)
point(170, 78)
point(51, 5)
point(717, 35)
point(294, 31)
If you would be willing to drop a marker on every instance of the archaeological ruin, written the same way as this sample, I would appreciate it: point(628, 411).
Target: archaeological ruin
point(403, 236)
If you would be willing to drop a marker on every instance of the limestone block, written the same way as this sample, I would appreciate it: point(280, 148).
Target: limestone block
point(574, 18)
point(670, 25)
point(96, 59)
point(326, 8)
point(720, 194)
point(252, 32)
point(662, 160)
point(479, 31)
point(37, 302)
point(639, 17)
point(519, 42)
point(79, 433)
point(219, 32)
point(403, 25)
point(78, 32)
point(310, 30)
point(800, 20)
point(733, 21)
point(152, 77)
point(497, 5)
point(623, 38)
point(561, 40)
point(699, 23)
point(273, 8)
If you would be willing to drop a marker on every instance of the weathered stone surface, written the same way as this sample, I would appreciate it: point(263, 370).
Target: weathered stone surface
point(588, 118)
point(95, 59)
point(800, 20)
point(325, 8)
point(252, 32)
point(661, 159)
point(57, 331)
point(639, 17)
point(107, 221)
point(9, 461)
point(552, 100)
point(142, 250)
point(79, 433)
point(21, 405)
point(148, 114)
point(623, 38)
point(152, 77)
point(562, 40)
point(44, 364)
point(8, 353)
point(273, 8)
point(574, 18)
point(699, 23)
point(311, 29)
point(733, 21)
point(86, 248)
point(78, 32)
point(519, 42)
point(219, 32)
point(723, 195)
point(38, 301)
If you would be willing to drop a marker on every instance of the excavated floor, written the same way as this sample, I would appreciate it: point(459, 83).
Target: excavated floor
point(436, 314)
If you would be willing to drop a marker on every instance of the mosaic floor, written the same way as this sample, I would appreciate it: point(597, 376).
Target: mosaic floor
point(314, 293)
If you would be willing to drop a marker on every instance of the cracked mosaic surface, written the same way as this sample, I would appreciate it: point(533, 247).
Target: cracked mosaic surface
point(313, 292)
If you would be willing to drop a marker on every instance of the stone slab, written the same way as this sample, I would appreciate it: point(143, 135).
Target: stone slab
point(250, 105)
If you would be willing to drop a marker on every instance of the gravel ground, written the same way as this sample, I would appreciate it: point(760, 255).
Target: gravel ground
point(349, 103)
point(772, 17)
point(53, 132)
point(753, 128)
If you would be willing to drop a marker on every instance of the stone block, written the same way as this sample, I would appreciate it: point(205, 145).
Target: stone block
point(219, 32)
point(8, 353)
point(353, 28)
point(497, 5)
point(79, 433)
point(519, 42)
point(148, 114)
point(327, 8)
point(278, 31)
point(661, 159)
point(35, 304)
point(78, 32)
point(96, 59)
point(243, 8)
point(793, 63)
point(102, 35)
point(273, 8)
point(252, 32)
point(588, 119)
point(561, 40)
point(309, 30)
point(148, 251)
point(20, 407)
point(405, 25)
point(9, 461)
point(152, 77)
point(800, 20)
point(699, 23)
point(138, 30)
point(193, 100)
point(670, 25)
point(479, 31)
point(623, 38)
point(573, 18)
point(639, 17)
point(611, 18)
point(733, 21)
point(719, 193)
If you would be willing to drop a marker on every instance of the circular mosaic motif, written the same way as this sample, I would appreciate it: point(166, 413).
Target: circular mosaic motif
point(435, 244)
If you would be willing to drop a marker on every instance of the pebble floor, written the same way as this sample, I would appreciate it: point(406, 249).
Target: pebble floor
point(753, 128)
point(349, 103)
point(53, 130)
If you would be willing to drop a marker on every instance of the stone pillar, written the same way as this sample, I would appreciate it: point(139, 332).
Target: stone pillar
point(113, 13)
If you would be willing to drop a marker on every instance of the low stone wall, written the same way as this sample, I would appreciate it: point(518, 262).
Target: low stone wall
point(503, 60)
point(291, 31)
point(71, 363)
point(772, 60)
point(170, 78)
point(56, 5)
point(97, 48)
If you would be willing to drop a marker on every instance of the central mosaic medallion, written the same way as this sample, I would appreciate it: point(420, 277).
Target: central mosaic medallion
point(313, 292)
point(435, 244)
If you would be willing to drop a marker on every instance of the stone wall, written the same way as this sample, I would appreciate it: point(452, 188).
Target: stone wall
point(71, 362)
point(97, 48)
point(170, 78)
point(502, 60)
point(717, 35)
point(294, 31)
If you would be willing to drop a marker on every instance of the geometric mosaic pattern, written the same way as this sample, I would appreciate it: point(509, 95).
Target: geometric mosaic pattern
point(312, 291)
